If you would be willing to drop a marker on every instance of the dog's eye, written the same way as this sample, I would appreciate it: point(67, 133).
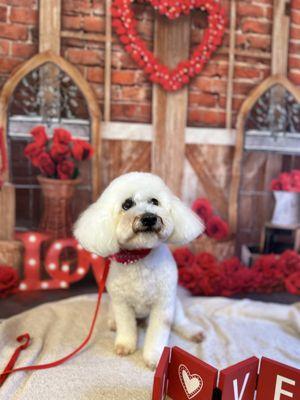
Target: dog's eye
point(128, 203)
point(155, 202)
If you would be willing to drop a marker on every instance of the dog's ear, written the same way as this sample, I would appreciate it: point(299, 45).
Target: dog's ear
point(95, 230)
point(187, 225)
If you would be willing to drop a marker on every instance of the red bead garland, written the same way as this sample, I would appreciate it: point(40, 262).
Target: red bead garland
point(124, 23)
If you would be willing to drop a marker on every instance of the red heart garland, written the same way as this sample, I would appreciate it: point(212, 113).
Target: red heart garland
point(125, 23)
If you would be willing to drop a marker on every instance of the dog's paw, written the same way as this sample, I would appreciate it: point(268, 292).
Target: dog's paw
point(197, 337)
point(123, 348)
point(151, 359)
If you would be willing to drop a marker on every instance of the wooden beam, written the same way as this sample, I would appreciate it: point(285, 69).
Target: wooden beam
point(231, 59)
point(107, 72)
point(49, 25)
point(214, 192)
point(280, 37)
point(170, 109)
point(7, 211)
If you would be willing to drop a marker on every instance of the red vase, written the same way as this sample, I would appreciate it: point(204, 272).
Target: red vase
point(57, 219)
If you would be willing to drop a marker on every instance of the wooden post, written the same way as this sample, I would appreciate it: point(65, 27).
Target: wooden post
point(170, 109)
point(280, 37)
point(49, 26)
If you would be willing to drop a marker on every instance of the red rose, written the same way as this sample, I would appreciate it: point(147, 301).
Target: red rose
point(292, 283)
point(183, 257)
point(9, 281)
point(217, 228)
point(62, 136)
point(276, 184)
point(40, 136)
point(46, 164)
point(81, 150)
point(59, 151)
point(65, 169)
point(203, 209)
point(33, 151)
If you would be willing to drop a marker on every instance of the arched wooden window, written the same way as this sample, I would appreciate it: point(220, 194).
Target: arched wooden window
point(50, 91)
point(268, 142)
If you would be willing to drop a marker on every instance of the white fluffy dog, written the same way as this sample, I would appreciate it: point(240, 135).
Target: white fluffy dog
point(131, 223)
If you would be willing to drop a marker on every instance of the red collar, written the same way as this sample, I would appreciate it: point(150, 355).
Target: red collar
point(129, 256)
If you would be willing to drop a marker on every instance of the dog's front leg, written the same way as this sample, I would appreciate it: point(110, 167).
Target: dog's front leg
point(126, 328)
point(158, 333)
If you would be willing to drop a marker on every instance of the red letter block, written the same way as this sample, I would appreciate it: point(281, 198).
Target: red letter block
point(278, 381)
point(160, 377)
point(189, 377)
point(238, 382)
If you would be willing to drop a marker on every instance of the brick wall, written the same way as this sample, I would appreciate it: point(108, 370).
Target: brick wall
point(131, 92)
point(18, 34)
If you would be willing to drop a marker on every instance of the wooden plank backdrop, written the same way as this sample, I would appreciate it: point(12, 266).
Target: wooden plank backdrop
point(168, 147)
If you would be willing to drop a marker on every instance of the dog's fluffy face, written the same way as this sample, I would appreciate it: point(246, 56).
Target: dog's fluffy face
point(143, 221)
point(137, 210)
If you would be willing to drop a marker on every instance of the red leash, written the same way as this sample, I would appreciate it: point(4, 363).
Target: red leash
point(9, 367)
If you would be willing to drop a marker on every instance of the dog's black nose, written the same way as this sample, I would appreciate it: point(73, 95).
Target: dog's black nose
point(149, 219)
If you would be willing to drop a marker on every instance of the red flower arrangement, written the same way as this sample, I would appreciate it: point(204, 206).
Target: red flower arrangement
point(203, 274)
point(57, 158)
point(216, 227)
point(125, 24)
point(287, 181)
point(9, 281)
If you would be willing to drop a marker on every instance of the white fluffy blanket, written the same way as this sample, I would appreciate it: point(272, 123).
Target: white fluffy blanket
point(235, 330)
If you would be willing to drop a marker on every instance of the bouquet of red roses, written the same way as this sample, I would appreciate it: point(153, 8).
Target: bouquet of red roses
point(287, 181)
point(57, 158)
point(215, 227)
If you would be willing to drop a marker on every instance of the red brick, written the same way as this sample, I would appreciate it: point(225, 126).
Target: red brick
point(295, 17)
point(13, 31)
point(24, 15)
point(294, 76)
point(24, 50)
point(246, 41)
point(294, 62)
point(256, 26)
point(295, 4)
point(295, 32)
point(127, 77)
point(131, 112)
point(121, 59)
point(94, 24)
point(210, 85)
point(210, 117)
point(8, 64)
point(95, 74)
point(254, 10)
point(244, 87)
point(4, 47)
point(131, 93)
point(3, 14)
point(84, 57)
point(247, 72)
point(202, 99)
point(22, 3)
point(71, 22)
point(294, 47)
point(215, 69)
point(82, 6)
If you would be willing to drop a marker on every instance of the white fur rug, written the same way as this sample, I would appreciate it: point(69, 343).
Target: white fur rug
point(235, 330)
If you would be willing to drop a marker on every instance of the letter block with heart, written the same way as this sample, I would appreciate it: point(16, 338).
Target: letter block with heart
point(160, 382)
point(277, 381)
point(238, 382)
point(189, 377)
